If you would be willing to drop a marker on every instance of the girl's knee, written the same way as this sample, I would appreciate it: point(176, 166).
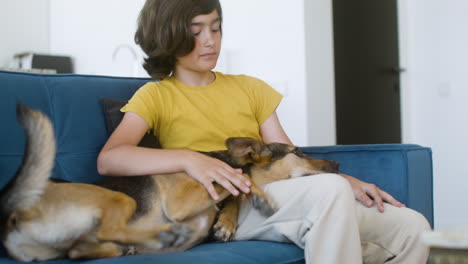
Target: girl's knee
point(330, 184)
point(408, 221)
point(417, 221)
point(337, 184)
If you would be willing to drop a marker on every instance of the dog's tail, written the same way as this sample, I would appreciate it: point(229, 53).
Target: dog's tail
point(31, 179)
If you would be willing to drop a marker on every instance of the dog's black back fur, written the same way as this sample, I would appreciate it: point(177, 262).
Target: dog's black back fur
point(140, 188)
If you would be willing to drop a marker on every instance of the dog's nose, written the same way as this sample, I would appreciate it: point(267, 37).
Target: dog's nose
point(335, 166)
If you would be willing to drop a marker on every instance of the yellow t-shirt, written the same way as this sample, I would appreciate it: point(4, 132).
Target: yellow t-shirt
point(202, 118)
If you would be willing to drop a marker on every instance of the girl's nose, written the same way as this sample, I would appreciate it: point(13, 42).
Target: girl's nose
point(208, 39)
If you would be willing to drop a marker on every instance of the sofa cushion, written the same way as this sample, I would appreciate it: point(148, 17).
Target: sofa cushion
point(113, 116)
point(111, 108)
point(245, 252)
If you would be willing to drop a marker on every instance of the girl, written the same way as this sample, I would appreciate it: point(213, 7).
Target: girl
point(194, 109)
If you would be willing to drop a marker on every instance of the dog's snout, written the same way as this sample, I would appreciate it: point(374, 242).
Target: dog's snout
point(324, 166)
point(335, 166)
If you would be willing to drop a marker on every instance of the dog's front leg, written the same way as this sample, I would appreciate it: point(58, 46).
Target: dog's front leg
point(261, 201)
point(183, 197)
point(226, 225)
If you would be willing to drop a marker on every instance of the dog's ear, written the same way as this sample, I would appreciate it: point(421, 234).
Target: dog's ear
point(245, 147)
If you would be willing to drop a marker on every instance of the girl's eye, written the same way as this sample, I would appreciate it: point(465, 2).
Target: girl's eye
point(196, 33)
point(215, 30)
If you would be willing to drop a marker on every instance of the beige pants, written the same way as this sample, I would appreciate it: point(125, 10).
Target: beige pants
point(319, 214)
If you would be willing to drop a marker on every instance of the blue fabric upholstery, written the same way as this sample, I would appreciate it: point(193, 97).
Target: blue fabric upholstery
point(245, 252)
point(72, 103)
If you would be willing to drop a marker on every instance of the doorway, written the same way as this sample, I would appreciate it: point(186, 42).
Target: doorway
point(367, 73)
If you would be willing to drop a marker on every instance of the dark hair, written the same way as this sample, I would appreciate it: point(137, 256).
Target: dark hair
point(164, 31)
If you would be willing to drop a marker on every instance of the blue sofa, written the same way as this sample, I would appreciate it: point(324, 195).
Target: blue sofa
point(73, 104)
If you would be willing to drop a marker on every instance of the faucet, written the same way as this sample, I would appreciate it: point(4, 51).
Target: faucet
point(136, 64)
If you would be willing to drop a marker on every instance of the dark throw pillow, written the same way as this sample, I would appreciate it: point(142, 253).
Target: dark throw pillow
point(113, 116)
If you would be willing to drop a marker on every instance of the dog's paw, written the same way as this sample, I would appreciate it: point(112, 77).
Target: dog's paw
point(182, 233)
point(175, 236)
point(128, 250)
point(74, 253)
point(264, 205)
point(224, 230)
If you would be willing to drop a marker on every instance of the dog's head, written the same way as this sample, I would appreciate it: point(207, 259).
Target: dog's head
point(275, 161)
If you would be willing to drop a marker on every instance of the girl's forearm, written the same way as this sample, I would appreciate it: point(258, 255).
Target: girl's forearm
point(128, 160)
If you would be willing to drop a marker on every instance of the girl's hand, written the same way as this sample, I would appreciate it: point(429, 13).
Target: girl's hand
point(207, 170)
point(368, 194)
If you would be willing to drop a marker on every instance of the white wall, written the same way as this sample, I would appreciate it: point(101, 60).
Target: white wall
point(24, 26)
point(320, 72)
point(91, 31)
point(435, 52)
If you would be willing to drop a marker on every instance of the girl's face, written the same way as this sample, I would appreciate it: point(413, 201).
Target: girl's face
point(203, 58)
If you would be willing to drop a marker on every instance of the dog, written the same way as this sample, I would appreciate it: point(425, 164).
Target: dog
point(42, 219)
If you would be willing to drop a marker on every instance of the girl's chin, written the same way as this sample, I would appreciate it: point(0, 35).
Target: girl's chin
point(206, 68)
point(201, 67)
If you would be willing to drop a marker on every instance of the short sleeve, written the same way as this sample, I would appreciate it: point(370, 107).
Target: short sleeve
point(143, 103)
point(265, 99)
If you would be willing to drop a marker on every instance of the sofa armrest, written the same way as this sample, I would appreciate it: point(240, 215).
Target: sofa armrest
point(403, 170)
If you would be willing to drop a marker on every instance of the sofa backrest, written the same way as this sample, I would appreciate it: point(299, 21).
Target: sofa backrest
point(73, 104)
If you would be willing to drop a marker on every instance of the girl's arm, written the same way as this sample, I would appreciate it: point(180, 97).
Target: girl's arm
point(272, 131)
point(121, 156)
